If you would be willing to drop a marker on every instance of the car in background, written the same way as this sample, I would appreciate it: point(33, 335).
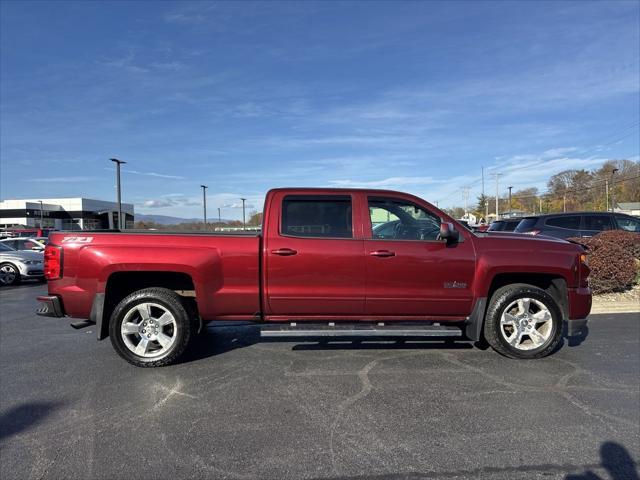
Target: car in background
point(504, 225)
point(16, 266)
point(578, 224)
point(24, 243)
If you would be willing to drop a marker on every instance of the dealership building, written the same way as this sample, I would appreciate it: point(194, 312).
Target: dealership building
point(63, 214)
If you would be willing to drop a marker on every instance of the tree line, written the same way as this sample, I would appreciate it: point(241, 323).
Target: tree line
point(570, 191)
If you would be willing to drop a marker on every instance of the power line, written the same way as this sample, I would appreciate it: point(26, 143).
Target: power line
point(600, 184)
point(589, 149)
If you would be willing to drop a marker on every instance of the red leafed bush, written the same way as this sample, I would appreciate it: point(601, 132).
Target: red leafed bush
point(613, 258)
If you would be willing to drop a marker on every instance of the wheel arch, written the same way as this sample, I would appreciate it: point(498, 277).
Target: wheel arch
point(121, 284)
point(555, 285)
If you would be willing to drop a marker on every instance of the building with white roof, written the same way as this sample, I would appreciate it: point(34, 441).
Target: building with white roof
point(63, 213)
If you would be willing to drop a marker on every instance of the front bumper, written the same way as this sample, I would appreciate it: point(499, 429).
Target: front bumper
point(50, 306)
point(579, 303)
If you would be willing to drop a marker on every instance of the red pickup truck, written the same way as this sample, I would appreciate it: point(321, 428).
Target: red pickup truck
point(329, 262)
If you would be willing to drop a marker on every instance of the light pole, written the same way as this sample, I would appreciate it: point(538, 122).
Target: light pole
point(219, 217)
point(41, 214)
point(244, 218)
point(510, 200)
point(121, 224)
point(613, 191)
point(204, 204)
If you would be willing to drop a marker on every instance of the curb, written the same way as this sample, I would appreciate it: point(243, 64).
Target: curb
point(615, 307)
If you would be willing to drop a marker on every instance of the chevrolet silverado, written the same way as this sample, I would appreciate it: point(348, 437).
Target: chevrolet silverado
point(328, 262)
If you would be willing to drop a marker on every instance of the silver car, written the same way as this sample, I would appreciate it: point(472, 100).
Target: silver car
point(20, 265)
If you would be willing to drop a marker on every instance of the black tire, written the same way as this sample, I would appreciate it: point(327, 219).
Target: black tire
point(186, 326)
point(16, 274)
point(505, 296)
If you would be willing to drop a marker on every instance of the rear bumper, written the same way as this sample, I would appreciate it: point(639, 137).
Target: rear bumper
point(50, 306)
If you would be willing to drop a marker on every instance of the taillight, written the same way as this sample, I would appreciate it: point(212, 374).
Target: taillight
point(52, 262)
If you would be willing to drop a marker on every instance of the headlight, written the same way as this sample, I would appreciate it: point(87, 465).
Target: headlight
point(32, 262)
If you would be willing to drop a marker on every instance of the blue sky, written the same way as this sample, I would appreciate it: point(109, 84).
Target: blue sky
point(244, 96)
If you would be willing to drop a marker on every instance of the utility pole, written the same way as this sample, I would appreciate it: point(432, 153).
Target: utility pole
point(613, 190)
point(606, 192)
point(121, 223)
point(465, 196)
point(204, 204)
point(510, 187)
point(486, 204)
point(41, 214)
point(219, 217)
point(244, 218)
point(497, 177)
point(564, 201)
point(540, 206)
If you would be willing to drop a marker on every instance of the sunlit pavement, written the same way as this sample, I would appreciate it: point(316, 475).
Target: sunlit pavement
point(240, 408)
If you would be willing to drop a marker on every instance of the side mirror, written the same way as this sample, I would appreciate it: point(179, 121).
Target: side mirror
point(449, 233)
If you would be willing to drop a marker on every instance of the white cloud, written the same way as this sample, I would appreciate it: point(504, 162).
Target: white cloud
point(149, 174)
point(61, 179)
point(385, 182)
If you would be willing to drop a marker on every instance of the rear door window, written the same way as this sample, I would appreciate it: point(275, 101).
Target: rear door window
point(328, 216)
point(597, 223)
point(571, 222)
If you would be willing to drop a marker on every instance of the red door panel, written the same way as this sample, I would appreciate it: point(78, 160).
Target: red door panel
point(323, 277)
point(420, 278)
point(320, 274)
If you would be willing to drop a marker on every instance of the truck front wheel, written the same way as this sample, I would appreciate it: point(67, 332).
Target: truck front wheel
point(523, 321)
point(151, 327)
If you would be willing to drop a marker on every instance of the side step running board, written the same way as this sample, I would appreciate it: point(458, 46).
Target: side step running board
point(359, 331)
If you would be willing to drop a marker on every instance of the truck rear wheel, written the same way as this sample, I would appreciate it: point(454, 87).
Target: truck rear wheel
point(151, 327)
point(523, 321)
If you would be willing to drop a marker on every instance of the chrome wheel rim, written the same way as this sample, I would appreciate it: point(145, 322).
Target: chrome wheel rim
point(149, 330)
point(526, 324)
point(7, 274)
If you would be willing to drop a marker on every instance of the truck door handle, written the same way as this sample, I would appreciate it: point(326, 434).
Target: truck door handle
point(285, 252)
point(382, 253)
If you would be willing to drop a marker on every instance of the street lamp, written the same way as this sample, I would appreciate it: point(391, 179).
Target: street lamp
point(204, 203)
point(244, 218)
point(121, 224)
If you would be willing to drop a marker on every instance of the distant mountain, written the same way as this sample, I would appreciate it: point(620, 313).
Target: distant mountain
point(167, 220)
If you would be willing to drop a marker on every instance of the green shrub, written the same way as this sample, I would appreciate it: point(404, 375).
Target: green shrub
point(613, 259)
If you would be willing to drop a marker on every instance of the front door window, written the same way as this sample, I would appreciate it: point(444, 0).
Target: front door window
point(398, 220)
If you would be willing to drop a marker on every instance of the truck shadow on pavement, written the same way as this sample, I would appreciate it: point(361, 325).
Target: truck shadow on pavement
point(23, 417)
point(218, 340)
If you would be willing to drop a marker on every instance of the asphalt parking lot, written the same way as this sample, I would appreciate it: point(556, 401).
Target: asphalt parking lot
point(239, 408)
